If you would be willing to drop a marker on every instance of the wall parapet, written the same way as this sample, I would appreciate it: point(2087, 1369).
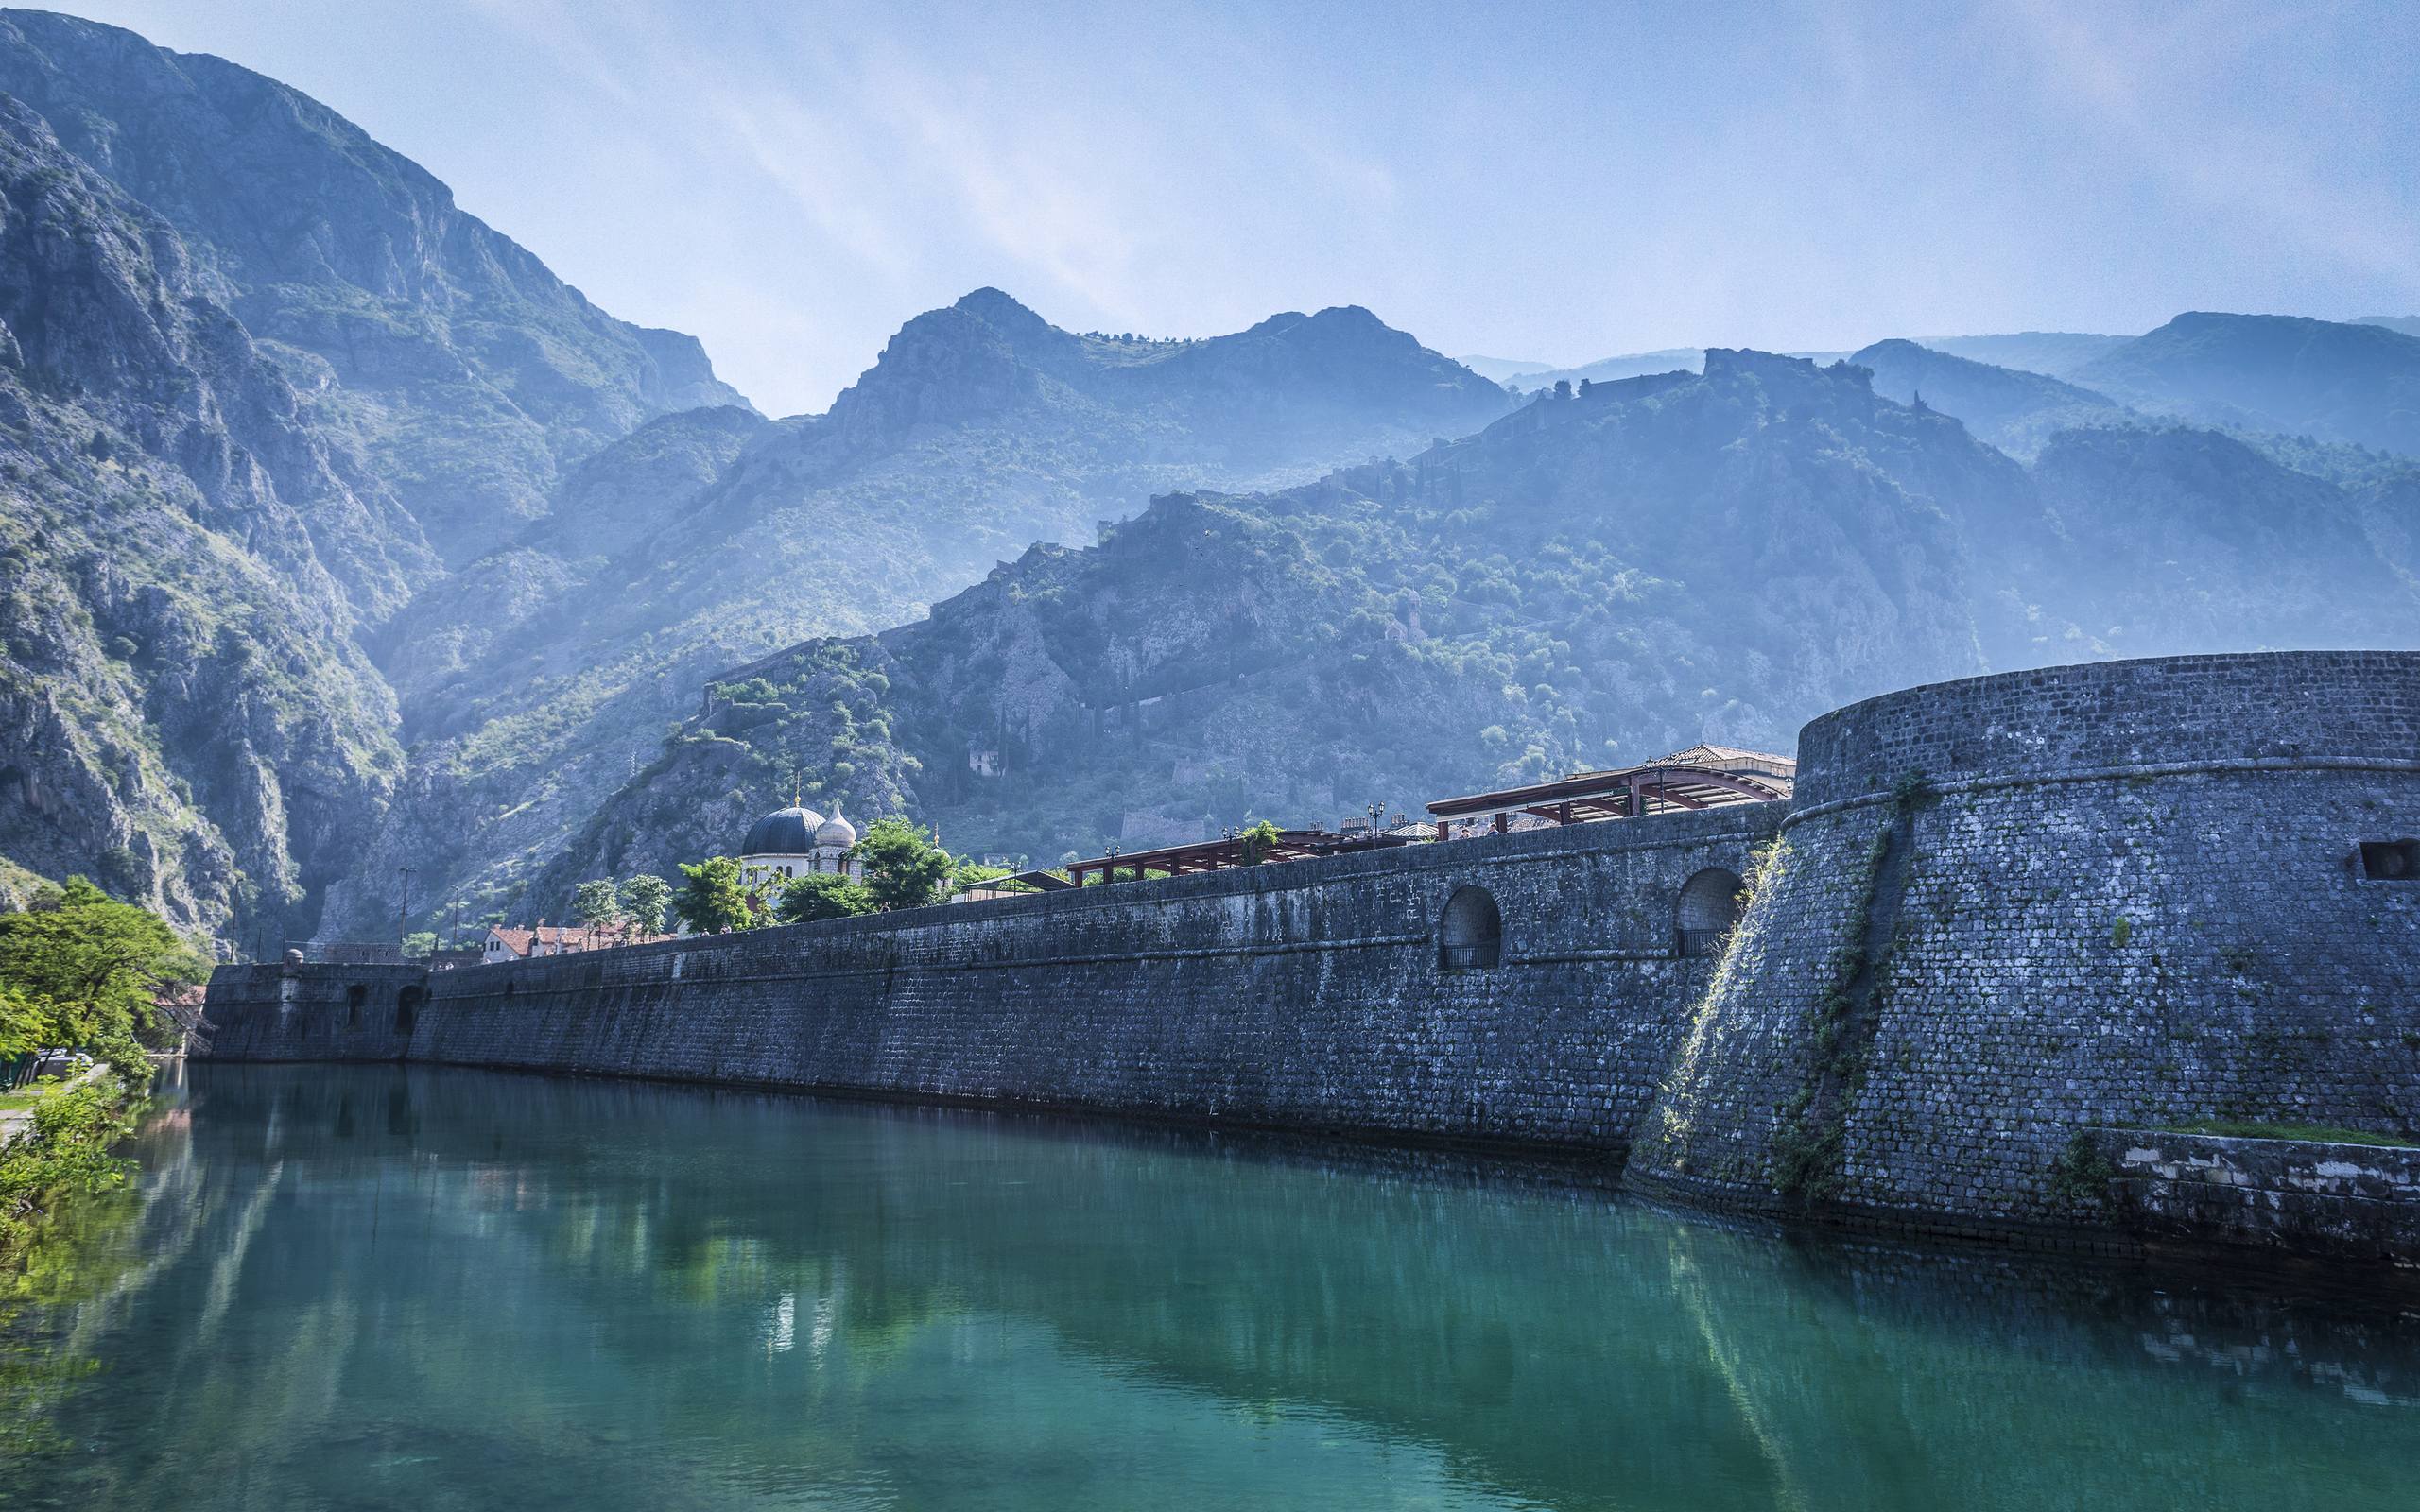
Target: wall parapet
point(2171, 714)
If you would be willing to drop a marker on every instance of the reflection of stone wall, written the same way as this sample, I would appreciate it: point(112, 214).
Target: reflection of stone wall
point(1304, 995)
point(1562, 1353)
point(2128, 893)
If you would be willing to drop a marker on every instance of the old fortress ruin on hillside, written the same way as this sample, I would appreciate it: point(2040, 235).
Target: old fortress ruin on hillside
point(2046, 955)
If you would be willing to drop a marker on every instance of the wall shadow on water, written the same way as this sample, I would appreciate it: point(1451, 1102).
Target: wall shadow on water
point(387, 1285)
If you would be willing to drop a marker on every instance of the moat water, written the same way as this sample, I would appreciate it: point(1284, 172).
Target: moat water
point(375, 1288)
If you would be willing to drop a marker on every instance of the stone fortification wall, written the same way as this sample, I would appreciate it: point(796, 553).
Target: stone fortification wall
point(2010, 909)
point(1999, 915)
point(1306, 995)
point(313, 1012)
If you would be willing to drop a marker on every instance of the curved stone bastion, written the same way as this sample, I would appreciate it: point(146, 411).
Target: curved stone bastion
point(2008, 911)
point(2008, 930)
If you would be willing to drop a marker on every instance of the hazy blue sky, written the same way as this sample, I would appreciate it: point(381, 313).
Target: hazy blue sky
point(1539, 180)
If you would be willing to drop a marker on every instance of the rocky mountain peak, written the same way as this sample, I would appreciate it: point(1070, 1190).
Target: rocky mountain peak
point(1015, 323)
point(946, 367)
point(474, 375)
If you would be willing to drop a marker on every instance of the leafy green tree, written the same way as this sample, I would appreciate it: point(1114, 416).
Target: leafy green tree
point(597, 904)
point(711, 898)
point(82, 969)
point(645, 903)
point(420, 944)
point(904, 867)
point(1255, 843)
point(822, 894)
point(68, 1150)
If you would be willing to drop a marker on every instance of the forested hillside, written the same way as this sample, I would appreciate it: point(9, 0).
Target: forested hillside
point(534, 688)
point(1590, 580)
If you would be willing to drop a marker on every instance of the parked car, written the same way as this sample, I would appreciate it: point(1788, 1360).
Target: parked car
point(61, 1064)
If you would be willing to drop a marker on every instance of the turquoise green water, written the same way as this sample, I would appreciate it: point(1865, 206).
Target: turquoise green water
point(377, 1288)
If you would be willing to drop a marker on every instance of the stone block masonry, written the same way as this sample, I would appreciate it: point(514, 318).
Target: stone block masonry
point(1999, 913)
point(1311, 995)
point(315, 1012)
point(2135, 894)
point(2310, 1197)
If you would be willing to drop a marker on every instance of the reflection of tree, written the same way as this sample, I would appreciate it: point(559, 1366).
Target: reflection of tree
point(83, 1253)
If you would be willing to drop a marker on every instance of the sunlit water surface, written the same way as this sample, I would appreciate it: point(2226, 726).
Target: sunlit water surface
point(429, 1289)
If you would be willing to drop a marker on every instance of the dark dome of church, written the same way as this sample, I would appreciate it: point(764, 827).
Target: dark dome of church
point(782, 832)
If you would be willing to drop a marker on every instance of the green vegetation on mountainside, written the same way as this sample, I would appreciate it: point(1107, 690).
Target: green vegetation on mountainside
point(981, 429)
point(1591, 581)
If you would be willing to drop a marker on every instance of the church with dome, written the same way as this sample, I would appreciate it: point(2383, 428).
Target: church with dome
point(798, 842)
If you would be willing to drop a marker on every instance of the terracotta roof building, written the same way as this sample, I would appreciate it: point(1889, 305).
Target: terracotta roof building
point(510, 942)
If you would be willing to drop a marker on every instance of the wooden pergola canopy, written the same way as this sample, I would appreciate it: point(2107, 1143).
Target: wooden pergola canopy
point(1703, 777)
point(1217, 855)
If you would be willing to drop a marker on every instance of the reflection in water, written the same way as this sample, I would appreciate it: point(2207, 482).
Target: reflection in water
point(392, 1287)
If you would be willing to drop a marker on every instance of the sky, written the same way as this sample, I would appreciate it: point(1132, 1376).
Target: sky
point(1548, 182)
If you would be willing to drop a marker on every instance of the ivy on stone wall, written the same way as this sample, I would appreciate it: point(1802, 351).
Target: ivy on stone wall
point(1814, 1120)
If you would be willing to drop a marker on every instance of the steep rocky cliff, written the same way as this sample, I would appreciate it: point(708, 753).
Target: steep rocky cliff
point(469, 375)
point(183, 712)
point(263, 383)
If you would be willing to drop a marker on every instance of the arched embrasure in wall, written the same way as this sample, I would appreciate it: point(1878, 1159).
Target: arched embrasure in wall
point(2131, 893)
point(1706, 911)
point(1470, 933)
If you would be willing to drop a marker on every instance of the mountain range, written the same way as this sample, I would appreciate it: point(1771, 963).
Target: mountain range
point(1590, 580)
point(357, 568)
point(515, 531)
